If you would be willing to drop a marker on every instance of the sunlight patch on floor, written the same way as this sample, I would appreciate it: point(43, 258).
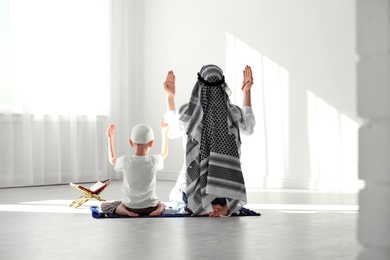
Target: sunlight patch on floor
point(305, 208)
point(48, 206)
point(62, 206)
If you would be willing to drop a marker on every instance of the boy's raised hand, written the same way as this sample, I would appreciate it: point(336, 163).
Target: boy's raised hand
point(164, 127)
point(169, 84)
point(248, 79)
point(110, 131)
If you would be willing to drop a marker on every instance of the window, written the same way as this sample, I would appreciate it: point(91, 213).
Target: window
point(54, 57)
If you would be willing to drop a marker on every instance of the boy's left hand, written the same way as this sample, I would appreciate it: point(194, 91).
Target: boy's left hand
point(164, 127)
point(110, 131)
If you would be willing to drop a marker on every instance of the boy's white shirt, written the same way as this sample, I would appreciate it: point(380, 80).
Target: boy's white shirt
point(139, 179)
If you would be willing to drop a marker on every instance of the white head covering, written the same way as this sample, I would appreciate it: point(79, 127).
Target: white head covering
point(142, 134)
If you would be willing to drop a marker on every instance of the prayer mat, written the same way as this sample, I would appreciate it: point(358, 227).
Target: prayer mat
point(168, 213)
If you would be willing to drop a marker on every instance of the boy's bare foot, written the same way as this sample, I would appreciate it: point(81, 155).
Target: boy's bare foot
point(160, 209)
point(122, 211)
point(132, 214)
point(219, 211)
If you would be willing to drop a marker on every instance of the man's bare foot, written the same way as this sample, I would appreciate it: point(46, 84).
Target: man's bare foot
point(219, 211)
point(122, 211)
point(160, 209)
point(216, 207)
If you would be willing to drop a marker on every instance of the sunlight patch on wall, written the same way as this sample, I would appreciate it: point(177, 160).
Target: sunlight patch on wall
point(265, 153)
point(333, 145)
point(275, 87)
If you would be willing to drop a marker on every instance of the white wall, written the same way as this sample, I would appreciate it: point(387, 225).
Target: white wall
point(304, 98)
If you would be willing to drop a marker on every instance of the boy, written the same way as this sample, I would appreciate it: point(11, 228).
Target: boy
point(139, 173)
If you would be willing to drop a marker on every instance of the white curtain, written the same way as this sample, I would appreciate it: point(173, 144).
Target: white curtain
point(55, 90)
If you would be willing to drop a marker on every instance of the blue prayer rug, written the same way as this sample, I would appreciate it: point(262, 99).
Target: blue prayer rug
point(168, 213)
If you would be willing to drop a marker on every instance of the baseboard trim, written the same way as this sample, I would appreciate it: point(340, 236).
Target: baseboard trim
point(287, 183)
point(309, 184)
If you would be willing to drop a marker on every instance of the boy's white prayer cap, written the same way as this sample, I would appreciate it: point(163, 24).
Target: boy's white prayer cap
point(142, 134)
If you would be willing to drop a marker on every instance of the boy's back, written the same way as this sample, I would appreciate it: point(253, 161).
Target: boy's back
point(139, 179)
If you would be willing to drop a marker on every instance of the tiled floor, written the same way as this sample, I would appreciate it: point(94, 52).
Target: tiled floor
point(37, 223)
